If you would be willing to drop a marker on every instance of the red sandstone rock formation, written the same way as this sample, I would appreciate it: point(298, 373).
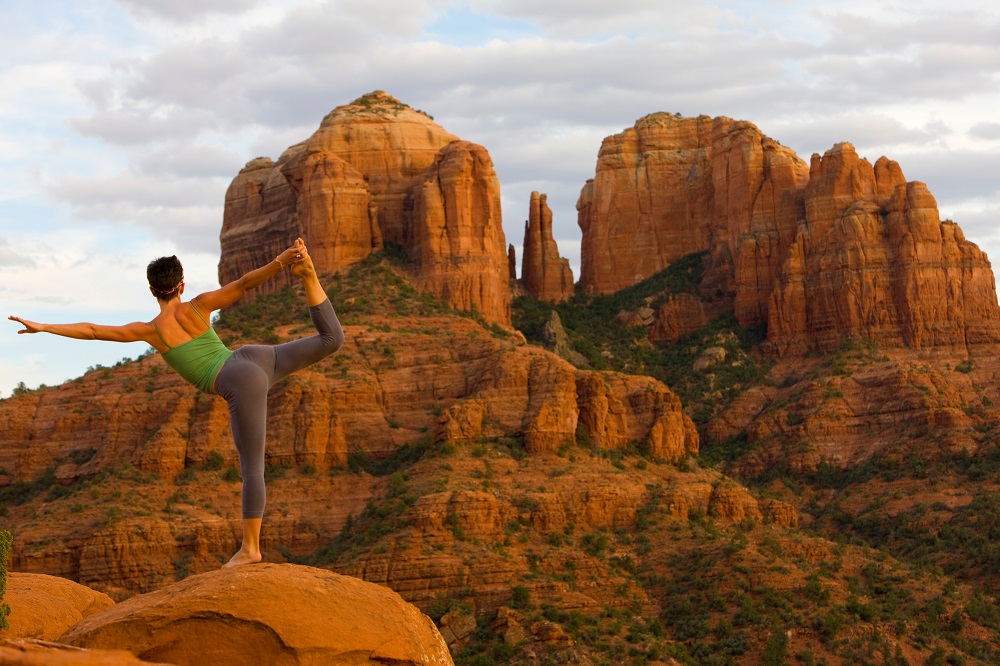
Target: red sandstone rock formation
point(511, 262)
point(284, 613)
point(872, 259)
point(456, 233)
point(543, 272)
point(839, 250)
point(44, 607)
point(670, 186)
point(680, 315)
point(376, 171)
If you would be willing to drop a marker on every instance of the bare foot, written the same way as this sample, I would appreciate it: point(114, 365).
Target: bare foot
point(242, 557)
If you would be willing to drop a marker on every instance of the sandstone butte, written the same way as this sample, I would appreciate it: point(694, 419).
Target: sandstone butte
point(376, 172)
point(834, 249)
point(544, 273)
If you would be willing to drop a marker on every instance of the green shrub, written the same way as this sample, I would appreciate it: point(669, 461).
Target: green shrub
point(5, 542)
point(214, 462)
point(520, 598)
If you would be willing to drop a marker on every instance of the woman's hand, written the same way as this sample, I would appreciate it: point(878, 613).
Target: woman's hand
point(293, 255)
point(29, 326)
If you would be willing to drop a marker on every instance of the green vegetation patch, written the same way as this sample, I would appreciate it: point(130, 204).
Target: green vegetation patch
point(593, 332)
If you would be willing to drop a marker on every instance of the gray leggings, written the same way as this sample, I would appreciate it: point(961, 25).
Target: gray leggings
point(244, 381)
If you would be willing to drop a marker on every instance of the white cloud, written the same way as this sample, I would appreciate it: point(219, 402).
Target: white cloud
point(185, 10)
point(985, 130)
point(127, 121)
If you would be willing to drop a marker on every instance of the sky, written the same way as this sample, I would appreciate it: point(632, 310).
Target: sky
point(122, 122)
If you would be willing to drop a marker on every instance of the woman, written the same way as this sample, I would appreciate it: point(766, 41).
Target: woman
point(185, 339)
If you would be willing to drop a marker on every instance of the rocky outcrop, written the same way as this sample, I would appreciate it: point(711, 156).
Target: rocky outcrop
point(375, 172)
point(670, 186)
point(872, 259)
point(544, 273)
point(44, 607)
point(679, 315)
point(289, 614)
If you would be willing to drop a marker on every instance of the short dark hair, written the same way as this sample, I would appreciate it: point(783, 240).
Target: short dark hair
point(165, 276)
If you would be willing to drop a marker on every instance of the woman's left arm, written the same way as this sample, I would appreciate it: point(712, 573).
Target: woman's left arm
point(227, 295)
point(135, 332)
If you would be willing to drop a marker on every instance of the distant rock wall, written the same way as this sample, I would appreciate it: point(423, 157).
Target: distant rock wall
point(836, 249)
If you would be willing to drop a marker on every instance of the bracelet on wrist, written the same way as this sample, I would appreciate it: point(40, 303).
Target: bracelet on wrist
point(280, 265)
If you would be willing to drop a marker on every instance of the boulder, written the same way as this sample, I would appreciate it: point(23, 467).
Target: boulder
point(43, 607)
point(267, 613)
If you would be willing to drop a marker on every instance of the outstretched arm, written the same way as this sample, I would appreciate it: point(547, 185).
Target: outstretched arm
point(227, 295)
point(134, 332)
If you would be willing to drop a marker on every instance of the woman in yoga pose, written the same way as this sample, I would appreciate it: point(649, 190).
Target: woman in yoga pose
point(182, 334)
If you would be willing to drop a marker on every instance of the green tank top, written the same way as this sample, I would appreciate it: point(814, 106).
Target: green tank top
point(199, 359)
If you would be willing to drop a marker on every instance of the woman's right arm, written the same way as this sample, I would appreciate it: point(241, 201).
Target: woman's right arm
point(230, 293)
point(134, 332)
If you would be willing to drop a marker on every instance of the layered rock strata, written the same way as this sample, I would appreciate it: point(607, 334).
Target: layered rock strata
point(376, 172)
point(544, 273)
point(396, 382)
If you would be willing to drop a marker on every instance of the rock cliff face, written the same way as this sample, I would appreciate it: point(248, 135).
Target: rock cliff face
point(873, 259)
point(543, 272)
point(837, 249)
point(376, 171)
point(321, 417)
